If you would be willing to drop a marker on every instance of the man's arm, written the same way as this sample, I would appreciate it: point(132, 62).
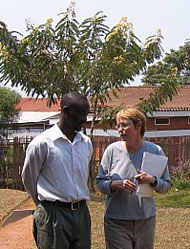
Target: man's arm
point(31, 170)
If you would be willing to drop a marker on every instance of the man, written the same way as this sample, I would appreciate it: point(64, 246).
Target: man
point(55, 175)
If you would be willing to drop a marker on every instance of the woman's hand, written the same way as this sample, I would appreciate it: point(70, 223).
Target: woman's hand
point(143, 177)
point(125, 185)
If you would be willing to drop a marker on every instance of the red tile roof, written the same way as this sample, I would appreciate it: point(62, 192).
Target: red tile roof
point(127, 96)
point(37, 105)
point(133, 95)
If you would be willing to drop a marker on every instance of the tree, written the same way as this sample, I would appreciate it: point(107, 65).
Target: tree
point(88, 57)
point(8, 112)
point(165, 92)
point(178, 60)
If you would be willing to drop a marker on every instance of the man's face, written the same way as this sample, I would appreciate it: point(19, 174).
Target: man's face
point(76, 115)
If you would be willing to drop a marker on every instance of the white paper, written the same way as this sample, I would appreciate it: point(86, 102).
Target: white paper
point(17, 215)
point(153, 165)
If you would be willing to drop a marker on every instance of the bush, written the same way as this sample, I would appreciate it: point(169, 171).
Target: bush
point(181, 175)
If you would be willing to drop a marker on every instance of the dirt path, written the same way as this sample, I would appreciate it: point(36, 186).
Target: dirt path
point(18, 235)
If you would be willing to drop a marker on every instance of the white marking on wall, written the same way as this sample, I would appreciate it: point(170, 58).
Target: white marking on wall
point(165, 133)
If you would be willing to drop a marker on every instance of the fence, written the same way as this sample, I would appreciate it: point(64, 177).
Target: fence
point(12, 154)
point(176, 148)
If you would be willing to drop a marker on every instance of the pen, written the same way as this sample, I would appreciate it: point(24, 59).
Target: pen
point(135, 181)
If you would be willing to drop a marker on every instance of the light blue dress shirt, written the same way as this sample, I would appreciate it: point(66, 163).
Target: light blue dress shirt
point(56, 168)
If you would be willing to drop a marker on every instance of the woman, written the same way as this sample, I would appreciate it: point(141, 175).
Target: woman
point(129, 221)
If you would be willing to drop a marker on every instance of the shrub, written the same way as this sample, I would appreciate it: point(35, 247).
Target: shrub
point(181, 175)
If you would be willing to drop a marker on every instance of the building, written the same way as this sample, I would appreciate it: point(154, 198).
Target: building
point(34, 117)
point(171, 119)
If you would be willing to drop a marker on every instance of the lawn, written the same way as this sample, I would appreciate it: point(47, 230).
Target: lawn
point(173, 217)
point(9, 200)
point(174, 199)
point(172, 229)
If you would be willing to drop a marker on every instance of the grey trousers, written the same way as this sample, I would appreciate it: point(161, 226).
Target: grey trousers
point(129, 234)
point(56, 227)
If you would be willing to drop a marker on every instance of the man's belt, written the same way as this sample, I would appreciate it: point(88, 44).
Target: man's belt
point(71, 205)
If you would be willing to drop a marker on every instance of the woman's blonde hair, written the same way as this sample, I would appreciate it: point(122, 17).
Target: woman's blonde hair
point(134, 114)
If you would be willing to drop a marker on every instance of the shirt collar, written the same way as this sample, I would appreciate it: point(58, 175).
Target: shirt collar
point(57, 133)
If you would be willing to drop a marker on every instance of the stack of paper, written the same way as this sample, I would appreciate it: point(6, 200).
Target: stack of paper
point(17, 215)
point(153, 165)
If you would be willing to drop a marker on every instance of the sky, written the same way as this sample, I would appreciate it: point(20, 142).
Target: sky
point(172, 16)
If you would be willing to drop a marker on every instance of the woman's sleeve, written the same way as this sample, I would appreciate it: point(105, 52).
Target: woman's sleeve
point(163, 183)
point(103, 179)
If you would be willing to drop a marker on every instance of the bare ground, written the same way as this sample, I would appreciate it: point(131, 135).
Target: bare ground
point(17, 235)
point(172, 232)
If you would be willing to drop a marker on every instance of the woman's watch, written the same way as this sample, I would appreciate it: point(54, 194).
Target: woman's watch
point(153, 185)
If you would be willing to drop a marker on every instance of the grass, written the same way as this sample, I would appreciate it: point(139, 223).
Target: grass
point(175, 198)
point(172, 227)
point(173, 218)
point(9, 200)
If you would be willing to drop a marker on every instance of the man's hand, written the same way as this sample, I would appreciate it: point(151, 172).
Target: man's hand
point(125, 185)
point(143, 177)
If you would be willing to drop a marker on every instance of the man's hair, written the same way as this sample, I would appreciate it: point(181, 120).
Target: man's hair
point(72, 98)
point(135, 115)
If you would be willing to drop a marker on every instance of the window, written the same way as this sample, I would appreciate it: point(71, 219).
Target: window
point(162, 121)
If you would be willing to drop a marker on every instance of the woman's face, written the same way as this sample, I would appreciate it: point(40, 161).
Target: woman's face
point(127, 129)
